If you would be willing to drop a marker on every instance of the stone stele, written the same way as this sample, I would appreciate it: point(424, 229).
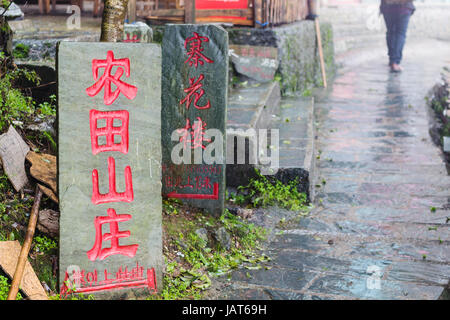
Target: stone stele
point(194, 100)
point(123, 274)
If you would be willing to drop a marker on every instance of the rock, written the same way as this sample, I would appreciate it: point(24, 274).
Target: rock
point(12, 153)
point(137, 32)
point(13, 12)
point(241, 212)
point(48, 222)
point(446, 144)
point(223, 238)
point(43, 125)
point(202, 233)
point(256, 62)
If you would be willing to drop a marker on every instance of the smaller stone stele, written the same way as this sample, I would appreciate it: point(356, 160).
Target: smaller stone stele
point(193, 122)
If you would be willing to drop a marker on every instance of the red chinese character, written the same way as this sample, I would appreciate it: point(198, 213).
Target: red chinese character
point(192, 93)
point(113, 219)
point(112, 195)
point(134, 39)
point(203, 183)
point(109, 131)
point(195, 50)
point(188, 184)
point(194, 135)
point(105, 80)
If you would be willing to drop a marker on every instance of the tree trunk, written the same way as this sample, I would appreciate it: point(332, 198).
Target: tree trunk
point(6, 36)
point(113, 20)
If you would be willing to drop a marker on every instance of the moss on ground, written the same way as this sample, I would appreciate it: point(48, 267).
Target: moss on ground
point(194, 257)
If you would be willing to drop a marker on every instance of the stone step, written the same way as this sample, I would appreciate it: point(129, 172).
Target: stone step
point(291, 118)
point(296, 130)
point(250, 109)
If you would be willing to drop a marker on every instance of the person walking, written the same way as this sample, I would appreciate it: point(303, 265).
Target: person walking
point(396, 15)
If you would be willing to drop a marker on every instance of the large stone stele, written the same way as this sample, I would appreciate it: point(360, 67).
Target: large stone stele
point(117, 276)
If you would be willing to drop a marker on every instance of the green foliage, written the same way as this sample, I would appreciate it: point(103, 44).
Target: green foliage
point(44, 244)
point(262, 192)
point(21, 51)
point(47, 108)
point(4, 289)
point(188, 272)
point(169, 206)
point(4, 3)
point(47, 136)
point(14, 105)
point(78, 296)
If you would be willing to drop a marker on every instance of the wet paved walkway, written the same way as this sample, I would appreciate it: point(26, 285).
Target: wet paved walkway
point(373, 233)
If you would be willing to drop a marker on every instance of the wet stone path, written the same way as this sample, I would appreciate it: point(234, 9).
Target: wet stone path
point(380, 228)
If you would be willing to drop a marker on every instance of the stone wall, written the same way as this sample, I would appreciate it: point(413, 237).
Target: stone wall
point(299, 55)
point(299, 67)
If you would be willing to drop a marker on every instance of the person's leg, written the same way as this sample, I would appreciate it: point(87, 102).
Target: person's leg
point(401, 27)
point(390, 34)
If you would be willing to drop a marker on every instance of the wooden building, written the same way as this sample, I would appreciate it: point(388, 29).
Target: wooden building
point(254, 13)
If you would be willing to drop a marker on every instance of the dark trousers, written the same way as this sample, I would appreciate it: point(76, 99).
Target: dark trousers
point(396, 25)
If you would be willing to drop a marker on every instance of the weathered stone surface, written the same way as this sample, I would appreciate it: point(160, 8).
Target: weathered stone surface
point(203, 234)
point(297, 51)
point(223, 238)
point(447, 144)
point(199, 184)
point(12, 13)
point(77, 162)
point(258, 63)
point(12, 153)
point(137, 32)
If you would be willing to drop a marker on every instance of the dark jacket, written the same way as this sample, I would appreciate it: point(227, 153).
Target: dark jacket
point(403, 8)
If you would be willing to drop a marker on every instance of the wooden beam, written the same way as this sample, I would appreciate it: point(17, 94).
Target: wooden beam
point(189, 11)
point(241, 22)
point(243, 13)
point(258, 13)
point(168, 12)
point(131, 11)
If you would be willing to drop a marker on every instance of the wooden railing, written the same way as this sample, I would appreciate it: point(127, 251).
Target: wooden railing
point(257, 13)
point(276, 12)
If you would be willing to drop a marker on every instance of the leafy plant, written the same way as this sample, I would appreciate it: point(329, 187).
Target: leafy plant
point(262, 192)
point(44, 244)
point(47, 108)
point(21, 51)
point(14, 104)
point(4, 289)
point(188, 272)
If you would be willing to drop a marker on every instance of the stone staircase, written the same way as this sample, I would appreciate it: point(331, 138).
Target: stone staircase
point(260, 106)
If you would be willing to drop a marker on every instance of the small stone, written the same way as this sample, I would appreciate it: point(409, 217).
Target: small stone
point(223, 238)
point(244, 213)
point(43, 125)
point(202, 233)
point(330, 242)
point(13, 13)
